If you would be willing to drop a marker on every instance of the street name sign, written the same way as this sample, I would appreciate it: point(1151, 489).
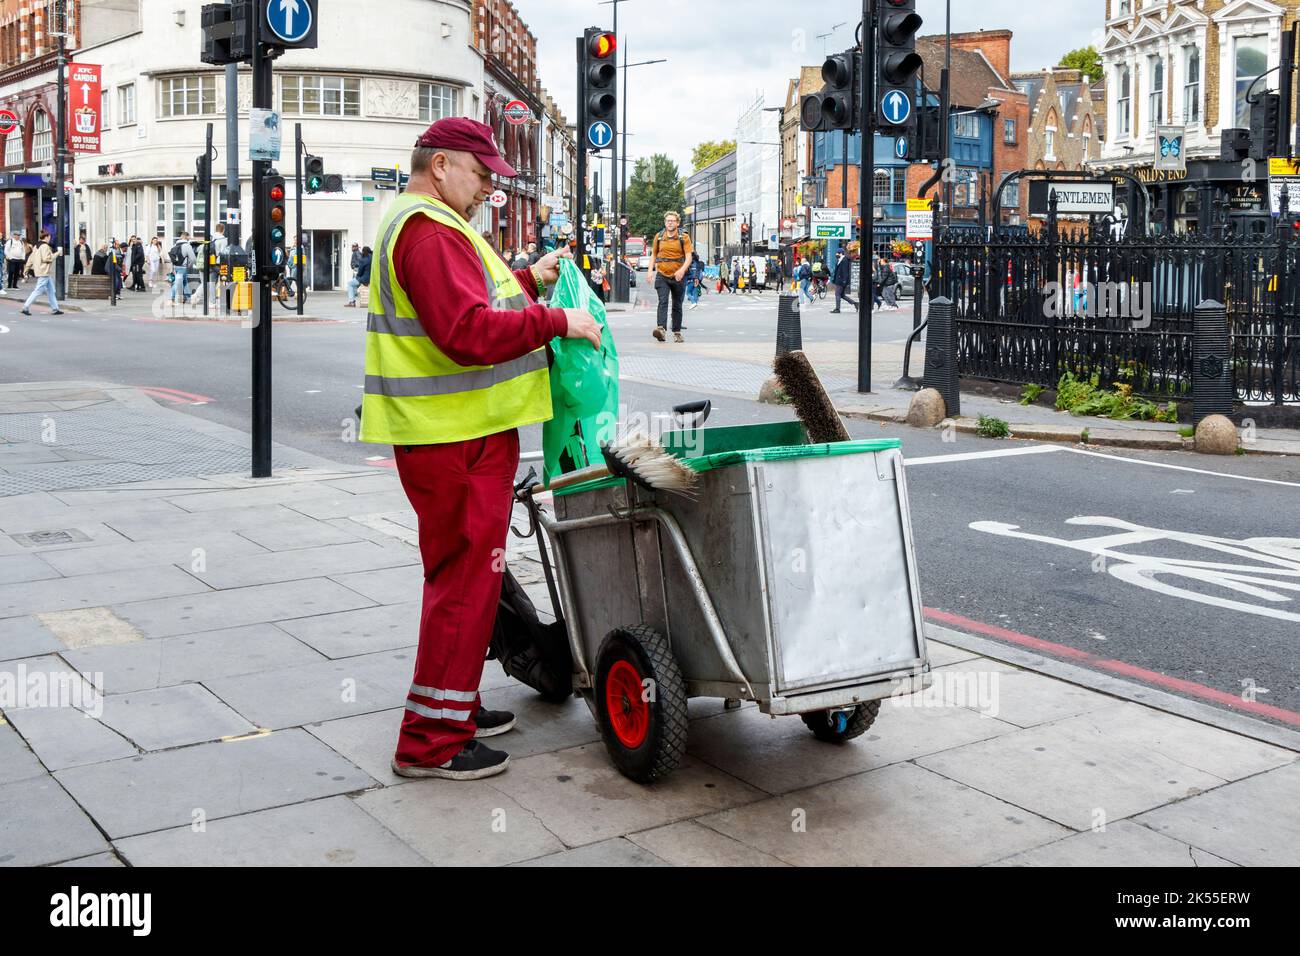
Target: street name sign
point(831, 223)
point(920, 220)
point(1284, 172)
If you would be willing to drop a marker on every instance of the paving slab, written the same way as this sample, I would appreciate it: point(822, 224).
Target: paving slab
point(191, 657)
point(1121, 844)
point(1105, 765)
point(88, 534)
point(252, 605)
point(333, 832)
point(349, 633)
point(93, 590)
point(71, 517)
point(172, 717)
point(460, 823)
point(98, 860)
point(390, 586)
point(367, 484)
point(297, 533)
point(18, 568)
point(367, 740)
point(25, 636)
point(901, 815)
point(296, 565)
point(1010, 694)
point(381, 502)
point(45, 681)
point(268, 522)
point(943, 654)
point(308, 693)
point(1253, 822)
point(540, 727)
point(175, 787)
point(210, 549)
point(616, 852)
point(89, 627)
point(581, 798)
point(257, 497)
point(689, 844)
point(17, 762)
point(780, 754)
point(40, 824)
point(64, 737)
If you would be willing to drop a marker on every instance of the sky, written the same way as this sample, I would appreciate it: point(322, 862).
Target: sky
point(724, 54)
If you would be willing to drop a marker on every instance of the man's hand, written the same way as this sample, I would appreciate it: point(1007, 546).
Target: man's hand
point(549, 265)
point(679, 273)
point(582, 326)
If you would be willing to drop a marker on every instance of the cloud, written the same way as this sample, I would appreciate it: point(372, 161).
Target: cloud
point(722, 56)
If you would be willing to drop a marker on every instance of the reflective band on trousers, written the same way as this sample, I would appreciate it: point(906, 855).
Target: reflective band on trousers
point(438, 693)
point(441, 713)
point(458, 382)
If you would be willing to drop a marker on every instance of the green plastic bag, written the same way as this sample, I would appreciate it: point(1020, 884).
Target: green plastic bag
point(584, 384)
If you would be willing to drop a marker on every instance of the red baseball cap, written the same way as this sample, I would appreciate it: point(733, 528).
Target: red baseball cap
point(469, 136)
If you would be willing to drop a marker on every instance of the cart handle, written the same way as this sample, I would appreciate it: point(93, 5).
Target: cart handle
point(700, 409)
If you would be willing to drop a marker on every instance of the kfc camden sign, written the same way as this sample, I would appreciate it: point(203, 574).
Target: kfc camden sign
point(83, 107)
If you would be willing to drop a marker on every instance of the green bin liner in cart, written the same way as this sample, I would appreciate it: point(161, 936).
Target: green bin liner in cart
point(584, 384)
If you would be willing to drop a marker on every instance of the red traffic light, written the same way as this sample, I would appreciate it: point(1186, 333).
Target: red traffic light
point(277, 193)
point(603, 45)
point(744, 228)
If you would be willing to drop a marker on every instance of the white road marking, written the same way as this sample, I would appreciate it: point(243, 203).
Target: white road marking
point(3, 329)
point(1182, 491)
point(1196, 471)
point(312, 391)
point(1272, 556)
point(977, 455)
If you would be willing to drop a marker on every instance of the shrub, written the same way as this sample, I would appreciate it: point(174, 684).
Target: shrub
point(1029, 394)
point(989, 427)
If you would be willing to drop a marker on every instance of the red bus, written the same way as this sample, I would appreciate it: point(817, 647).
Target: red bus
point(634, 252)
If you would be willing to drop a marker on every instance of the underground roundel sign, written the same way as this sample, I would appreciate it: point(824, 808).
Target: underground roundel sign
point(517, 112)
point(8, 121)
point(497, 199)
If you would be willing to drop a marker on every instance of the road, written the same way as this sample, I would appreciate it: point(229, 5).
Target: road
point(1065, 551)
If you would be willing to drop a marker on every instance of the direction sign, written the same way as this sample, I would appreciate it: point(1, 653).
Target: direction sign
point(517, 112)
point(831, 223)
point(600, 134)
point(8, 121)
point(1283, 172)
point(290, 20)
point(84, 102)
point(383, 174)
point(895, 107)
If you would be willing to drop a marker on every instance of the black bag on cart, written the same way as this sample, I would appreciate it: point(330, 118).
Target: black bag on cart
point(530, 651)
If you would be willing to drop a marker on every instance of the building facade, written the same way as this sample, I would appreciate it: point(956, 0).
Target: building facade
point(559, 170)
point(1189, 64)
point(1065, 126)
point(709, 216)
point(758, 172)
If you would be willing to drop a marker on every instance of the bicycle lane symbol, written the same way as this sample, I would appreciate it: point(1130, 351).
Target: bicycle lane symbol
point(1275, 568)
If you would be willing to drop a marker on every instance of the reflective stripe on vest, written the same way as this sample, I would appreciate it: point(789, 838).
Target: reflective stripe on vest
point(414, 392)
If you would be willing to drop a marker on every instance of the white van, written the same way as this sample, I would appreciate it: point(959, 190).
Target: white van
point(760, 269)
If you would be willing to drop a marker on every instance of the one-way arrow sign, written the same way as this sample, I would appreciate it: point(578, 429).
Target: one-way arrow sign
point(289, 24)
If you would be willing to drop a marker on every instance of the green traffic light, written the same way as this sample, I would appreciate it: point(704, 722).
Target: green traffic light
point(314, 183)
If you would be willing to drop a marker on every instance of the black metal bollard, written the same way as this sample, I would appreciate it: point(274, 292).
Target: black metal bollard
point(789, 328)
point(941, 354)
point(1212, 386)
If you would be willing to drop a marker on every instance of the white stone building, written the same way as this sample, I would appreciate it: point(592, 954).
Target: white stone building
point(758, 171)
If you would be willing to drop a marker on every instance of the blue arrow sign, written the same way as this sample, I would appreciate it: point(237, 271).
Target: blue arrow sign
point(290, 20)
point(900, 147)
point(896, 107)
point(600, 134)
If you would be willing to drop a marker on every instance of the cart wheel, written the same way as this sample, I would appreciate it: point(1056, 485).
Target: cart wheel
point(837, 726)
point(640, 703)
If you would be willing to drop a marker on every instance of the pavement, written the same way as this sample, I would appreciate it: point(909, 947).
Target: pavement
point(200, 668)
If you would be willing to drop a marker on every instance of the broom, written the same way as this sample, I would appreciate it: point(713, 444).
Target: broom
point(637, 458)
point(812, 405)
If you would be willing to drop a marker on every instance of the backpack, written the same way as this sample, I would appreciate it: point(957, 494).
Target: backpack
point(176, 256)
point(531, 652)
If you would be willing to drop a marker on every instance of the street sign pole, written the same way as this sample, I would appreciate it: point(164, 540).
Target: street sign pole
point(262, 99)
point(579, 227)
point(867, 123)
point(60, 145)
point(297, 207)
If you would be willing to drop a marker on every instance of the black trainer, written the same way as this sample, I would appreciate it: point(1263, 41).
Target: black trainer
point(472, 763)
point(493, 722)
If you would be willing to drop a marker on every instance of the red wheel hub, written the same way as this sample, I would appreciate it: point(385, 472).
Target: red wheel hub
point(629, 714)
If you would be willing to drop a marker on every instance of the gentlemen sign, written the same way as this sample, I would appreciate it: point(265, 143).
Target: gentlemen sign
point(1072, 198)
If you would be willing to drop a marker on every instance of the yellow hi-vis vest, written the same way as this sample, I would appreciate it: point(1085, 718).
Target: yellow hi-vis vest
point(416, 395)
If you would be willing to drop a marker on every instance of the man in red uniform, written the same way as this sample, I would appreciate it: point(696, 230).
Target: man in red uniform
point(461, 490)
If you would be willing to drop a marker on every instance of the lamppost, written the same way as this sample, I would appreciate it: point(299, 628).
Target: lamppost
point(620, 204)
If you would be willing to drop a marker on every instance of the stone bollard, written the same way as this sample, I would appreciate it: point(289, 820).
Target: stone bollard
point(927, 409)
point(1216, 435)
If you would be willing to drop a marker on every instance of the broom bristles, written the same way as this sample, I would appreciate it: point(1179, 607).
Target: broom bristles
point(812, 405)
point(639, 457)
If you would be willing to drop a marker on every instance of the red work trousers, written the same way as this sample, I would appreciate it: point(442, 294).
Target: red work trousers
point(462, 495)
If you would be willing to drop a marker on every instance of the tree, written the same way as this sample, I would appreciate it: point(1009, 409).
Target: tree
point(1086, 60)
point(711, 151)
point(656, 187)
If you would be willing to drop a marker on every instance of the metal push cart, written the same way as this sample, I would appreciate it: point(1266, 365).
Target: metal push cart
point(789, 580)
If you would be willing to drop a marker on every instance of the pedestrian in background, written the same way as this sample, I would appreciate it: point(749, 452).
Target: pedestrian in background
point(360, 277)
point(81, 256)
point(15, 257)
point(39, 264)
point(670, 254)
point(99, 262)
point(842, 280)
point(137, 265)
point(532, 253)
point(356, 257)
point(805, 275)
point(182, 260)
point(153, 259)
point(889, 288)
point(694, 277)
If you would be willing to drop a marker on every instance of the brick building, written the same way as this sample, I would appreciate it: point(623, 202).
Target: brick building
point(1067, 119)
point(1187, 63)
point(509, 52)
point(28, 87)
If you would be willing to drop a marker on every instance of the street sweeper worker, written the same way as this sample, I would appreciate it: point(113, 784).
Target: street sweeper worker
point(455, 364)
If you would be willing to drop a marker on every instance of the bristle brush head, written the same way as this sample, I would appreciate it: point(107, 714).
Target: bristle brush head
point(643, 461)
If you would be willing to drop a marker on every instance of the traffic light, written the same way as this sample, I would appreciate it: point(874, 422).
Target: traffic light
point(273, 191)
point(599, 92)
point(288, 24)
point(928, 135)
point(897, 64)
point(313, 174)
point(1265, 126)
point(202, 173)
point(839, 96)
point(1234, 145)
point(227, 32)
